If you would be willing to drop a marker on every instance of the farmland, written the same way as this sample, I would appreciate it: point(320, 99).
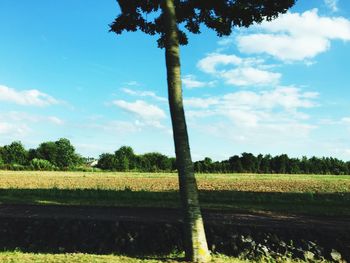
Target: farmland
point(305, 194)
point(168, 181)
point(80, 210)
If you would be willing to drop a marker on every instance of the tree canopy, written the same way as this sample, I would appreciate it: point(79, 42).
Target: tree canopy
point(219, 15)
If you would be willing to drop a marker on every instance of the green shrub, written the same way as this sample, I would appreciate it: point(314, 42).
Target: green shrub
point(40, 164)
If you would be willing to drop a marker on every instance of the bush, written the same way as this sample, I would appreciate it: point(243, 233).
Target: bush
point(84, 169)
point(40, 164)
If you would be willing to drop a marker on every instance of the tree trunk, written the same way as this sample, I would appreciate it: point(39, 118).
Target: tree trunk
point(195, 242)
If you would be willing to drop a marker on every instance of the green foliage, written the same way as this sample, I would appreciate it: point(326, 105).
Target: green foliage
point(219, 15)
point(155, 162)
point(61, 155)
point(65, 154)
point(124, 159)
point(46, 151)
point(48, 156)
point(41, 165)
point(1, 160)
point(281, 164)
point(14, 154)
point(235, 164)
point(107, 161)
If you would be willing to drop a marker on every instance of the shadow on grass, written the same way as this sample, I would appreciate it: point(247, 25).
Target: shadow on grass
point(301, 203)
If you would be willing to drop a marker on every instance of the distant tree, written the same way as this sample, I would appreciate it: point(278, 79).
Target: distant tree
point(47, 151)
point(125, 158)
point(157, 162)
point(304, 165)
point(15, 153)
point(294, 166)
point(173, 163)
point(107, 161)
point(258, 163)
point(249, 162)
point(65, 154)
point(206, 164)
point(32, 154)
point(142, 163)
point(1, 154)
point(282, 163)
point(219, 15)
point(198, 167)
point(265, 164)
point(235, 164)
point(315, 165)
point(49, 154)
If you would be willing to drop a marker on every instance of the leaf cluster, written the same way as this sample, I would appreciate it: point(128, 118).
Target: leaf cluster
point(219, 15)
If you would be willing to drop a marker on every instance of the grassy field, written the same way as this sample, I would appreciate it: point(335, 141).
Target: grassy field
point(306, 194)
point(18, 257)
point(7, 257)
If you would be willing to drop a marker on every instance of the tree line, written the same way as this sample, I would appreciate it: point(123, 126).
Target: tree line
point(124, 159)
point(57, 155)
point(280, 164)
point(61, 155)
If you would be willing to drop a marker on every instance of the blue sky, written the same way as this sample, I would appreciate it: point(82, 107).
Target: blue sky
point(278, 87)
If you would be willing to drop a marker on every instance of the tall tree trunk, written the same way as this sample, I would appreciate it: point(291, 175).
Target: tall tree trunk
point(196, 247)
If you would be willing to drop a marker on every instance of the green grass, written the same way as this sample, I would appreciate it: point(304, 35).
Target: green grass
point(302, 194)
point(19, 257)
point(7, 257)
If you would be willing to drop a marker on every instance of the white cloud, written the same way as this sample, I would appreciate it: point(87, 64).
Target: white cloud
point(274, 105)
point(210, 62)
point(140, 93)
point(190, 81)
point(55, 120)
point(250, 76)
point(15, 125)
point(194, 114)
point(271, 138)
point(238, 71)
point(243, 117)
point(226, 41)
point(284, 47)
point(26, 97)
point(289, 98)
point(332, 5)
point(132, 83)
point(5, 127)
point(268, 111)
point(23, 117)
point(200, 103)
point(345, 120)
point(294, 36)
point(115, 127)
point(343, 152)
point(13, 130)
point(148, 113)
